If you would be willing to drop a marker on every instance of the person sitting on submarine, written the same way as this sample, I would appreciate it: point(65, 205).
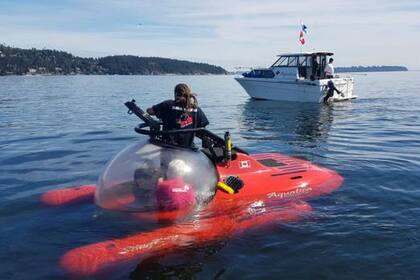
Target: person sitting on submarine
point(145, 179)
point(181, 113)
point(173, 192)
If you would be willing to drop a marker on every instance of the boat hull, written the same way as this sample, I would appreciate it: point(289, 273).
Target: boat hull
point(295, 90)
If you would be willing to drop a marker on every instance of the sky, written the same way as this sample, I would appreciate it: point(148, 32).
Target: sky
point(228, 33)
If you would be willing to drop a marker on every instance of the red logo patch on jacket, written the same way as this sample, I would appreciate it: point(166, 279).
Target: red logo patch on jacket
point(183, 123)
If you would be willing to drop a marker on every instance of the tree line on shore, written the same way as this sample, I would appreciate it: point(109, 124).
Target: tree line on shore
point(381, 68)
point(17, 61)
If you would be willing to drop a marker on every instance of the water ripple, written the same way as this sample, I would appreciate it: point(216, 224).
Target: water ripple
point(51, 137)
point(38, 156)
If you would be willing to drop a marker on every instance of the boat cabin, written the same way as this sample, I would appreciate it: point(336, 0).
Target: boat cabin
point(306, 66)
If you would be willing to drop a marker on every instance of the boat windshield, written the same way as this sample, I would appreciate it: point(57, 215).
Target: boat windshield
point(309, 66)
point(291, 61)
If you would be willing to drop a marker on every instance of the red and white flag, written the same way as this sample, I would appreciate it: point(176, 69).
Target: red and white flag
point(301, 38)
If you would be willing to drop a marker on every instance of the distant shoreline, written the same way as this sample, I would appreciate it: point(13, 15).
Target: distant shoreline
point(17, 61)
point(20, 62)
point(382, 68)
point(108, 75)
point(359, 69)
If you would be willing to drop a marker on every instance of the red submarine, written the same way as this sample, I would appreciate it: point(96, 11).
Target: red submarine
point(196, 195)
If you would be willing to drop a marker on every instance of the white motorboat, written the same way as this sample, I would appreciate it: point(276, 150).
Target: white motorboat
point(296, 77)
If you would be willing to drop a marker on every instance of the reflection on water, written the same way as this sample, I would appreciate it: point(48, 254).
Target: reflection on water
point(197, 240)
point(295, 123)
point(186, 263)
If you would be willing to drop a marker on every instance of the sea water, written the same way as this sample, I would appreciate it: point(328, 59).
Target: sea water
point(57, 131)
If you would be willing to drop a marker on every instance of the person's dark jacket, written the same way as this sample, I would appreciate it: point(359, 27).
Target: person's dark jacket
point(174, 116)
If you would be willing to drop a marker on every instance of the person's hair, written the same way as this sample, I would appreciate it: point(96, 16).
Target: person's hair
point(185, 97)
point(330, 84)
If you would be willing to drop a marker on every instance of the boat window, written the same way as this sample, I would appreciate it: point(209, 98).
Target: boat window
point(263, 73)
point(276, 63)
point(303, 61)
point(292, 61)
point(282, 61)
point(267, 74)
point(310, 61)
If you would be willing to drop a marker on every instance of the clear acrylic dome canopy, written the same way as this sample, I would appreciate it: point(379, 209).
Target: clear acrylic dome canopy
point(129, 181)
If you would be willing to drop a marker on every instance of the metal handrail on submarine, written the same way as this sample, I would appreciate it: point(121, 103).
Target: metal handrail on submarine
point(217, 148)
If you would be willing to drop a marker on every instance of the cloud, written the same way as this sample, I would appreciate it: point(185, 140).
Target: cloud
point(229, 33)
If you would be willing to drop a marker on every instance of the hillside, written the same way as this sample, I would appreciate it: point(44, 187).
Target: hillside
point(16, 61)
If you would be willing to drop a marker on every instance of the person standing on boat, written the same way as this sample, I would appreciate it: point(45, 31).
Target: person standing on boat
point(329, 69)
point(315, 67)
point(181, 113)
point(330, 91)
